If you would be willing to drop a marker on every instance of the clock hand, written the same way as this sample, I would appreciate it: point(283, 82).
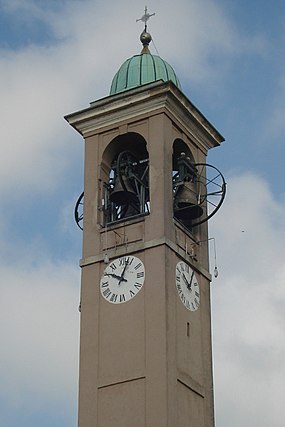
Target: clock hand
point(122, 276)
point(116, 277)
point(186, 281)
point(192, 275)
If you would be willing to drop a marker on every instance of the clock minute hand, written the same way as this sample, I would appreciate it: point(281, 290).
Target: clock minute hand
point(122, 279)
point(186, 281)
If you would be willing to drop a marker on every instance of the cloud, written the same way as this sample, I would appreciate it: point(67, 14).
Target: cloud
point(249, 305)
point(33, 98)
point(276, 109)
point(39, 333)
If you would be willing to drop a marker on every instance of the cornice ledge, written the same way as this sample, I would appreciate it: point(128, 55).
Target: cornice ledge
point(128, 105)
point(141, 246)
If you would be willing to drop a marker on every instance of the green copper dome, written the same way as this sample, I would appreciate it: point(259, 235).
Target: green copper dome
point(142, 69)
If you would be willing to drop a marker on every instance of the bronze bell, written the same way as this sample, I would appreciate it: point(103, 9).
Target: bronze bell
point(186, 202)
point(123, 192)
point(129, 210)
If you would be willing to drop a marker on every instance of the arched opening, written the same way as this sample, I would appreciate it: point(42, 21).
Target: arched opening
point(125, 177)
point(186, 186)
point(198, 188)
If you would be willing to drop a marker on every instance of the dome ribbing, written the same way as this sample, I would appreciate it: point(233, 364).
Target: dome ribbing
point(142, 69)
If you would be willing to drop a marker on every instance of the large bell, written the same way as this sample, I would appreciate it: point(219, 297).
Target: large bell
point(123, 192)
point(129, 210)
point(187, 206)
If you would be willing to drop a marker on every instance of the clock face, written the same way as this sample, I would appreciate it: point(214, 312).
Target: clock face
point(122, 279)
point(187, 286)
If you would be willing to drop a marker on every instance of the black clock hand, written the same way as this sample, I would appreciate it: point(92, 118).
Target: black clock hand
point(186, 282)
point(192, 275)
point(116, 277)
point(122, 279)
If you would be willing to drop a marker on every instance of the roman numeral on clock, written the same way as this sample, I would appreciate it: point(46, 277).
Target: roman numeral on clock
point(113, 266)
point(122, 298)
point(138, 266)
point(107, 292)
point(114, 298)
point(127, 260)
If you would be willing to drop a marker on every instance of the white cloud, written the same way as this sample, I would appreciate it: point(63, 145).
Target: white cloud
point(34, 95)
point(249, 305)
point(39, 333)
point(276, 109)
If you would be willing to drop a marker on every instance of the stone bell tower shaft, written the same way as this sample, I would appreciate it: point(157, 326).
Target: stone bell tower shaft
point(146, 362)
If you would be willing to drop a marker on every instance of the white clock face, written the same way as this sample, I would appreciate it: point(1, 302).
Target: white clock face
point(187, 286)
point(122, 279)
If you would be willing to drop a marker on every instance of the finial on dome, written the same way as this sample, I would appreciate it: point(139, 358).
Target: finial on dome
point(145, 37)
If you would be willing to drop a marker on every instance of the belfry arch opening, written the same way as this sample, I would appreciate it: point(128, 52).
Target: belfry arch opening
point(125, 177)
point(186, 186)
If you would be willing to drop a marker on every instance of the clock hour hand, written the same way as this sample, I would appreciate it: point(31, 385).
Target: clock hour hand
point(120, 278)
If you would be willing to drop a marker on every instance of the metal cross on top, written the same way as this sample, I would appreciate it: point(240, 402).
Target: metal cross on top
point(145, 17)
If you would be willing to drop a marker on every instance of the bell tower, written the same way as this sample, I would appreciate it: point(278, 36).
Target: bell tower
point(145, 340)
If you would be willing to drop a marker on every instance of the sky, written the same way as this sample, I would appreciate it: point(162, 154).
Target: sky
point(56, 56)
